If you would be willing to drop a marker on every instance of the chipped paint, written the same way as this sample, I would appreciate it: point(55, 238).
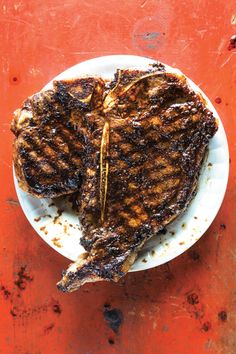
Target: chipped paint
point(150, 40)
point(233, 19)
point(12, 202)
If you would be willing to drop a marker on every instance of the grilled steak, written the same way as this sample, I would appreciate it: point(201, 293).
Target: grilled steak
point(134, 150)
point(51, 133)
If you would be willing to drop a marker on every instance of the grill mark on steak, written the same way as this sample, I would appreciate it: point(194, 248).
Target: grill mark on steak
point(44, 160)
point(41, 150)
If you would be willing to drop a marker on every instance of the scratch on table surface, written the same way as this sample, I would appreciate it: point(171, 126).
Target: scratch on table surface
point(61, 6)
point(227, 60)
point(233, 19)
point(76, 21)
point(208, 344)
point(202, 32)
point(18, 5)
point(218, 100)
point(218, 239)
point(173, 297)
point(16, 20)
point(143, 3)
point(13, 202)
point(34, 71)
point(178, 310)
point(25, 33)
point(174, 304)
point(132, 313)
point(233, 254)
point(186, 45)
point(221, 46)
point(211, 268)
point(56, 49)
point(4, 9)
point(180, 316)
point(123, 18)
point(142, 314)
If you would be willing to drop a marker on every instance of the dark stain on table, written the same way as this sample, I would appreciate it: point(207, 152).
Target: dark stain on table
point(192, 299)
point(23, 278)
point(206, 326)
point(14, 80)
point(194, 255)
point(6, 293)
point(47, 329)
point(222, 315)
point(13, 312)
point(114, 318)
point(56, 308)
point(111, 341)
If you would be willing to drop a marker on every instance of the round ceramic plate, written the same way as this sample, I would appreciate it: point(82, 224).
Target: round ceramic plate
point(59, 226)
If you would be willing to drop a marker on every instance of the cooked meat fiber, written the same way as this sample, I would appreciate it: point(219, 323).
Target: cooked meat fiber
point(143, 148)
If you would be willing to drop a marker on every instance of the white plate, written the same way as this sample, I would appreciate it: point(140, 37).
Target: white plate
point(62, 232)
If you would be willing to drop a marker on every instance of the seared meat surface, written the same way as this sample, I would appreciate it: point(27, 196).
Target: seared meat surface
point(51, 132)
point(140, 153)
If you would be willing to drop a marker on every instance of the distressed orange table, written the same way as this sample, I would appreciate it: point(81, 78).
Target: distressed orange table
point(186, 306)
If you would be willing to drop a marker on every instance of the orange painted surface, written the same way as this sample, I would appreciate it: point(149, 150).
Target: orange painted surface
point(186, 306)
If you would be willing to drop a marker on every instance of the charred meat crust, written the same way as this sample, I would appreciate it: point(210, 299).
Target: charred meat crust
point(51, 134)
